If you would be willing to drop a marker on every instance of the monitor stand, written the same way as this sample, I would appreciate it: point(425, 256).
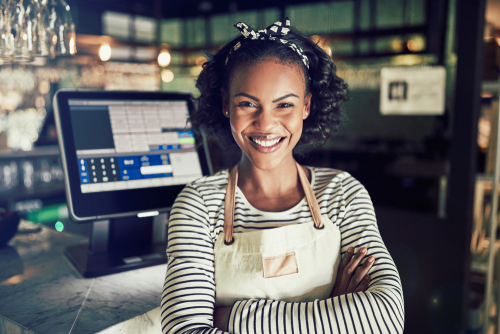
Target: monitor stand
point(121, 244)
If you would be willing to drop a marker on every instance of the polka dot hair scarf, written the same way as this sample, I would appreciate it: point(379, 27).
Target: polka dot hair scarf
point(273, 33)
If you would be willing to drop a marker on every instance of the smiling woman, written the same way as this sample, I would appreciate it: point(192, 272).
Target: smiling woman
point(271, 246)
point(267, 105)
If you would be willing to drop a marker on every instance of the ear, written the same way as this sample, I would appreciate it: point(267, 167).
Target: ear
point(225, 103)
point(307, 106)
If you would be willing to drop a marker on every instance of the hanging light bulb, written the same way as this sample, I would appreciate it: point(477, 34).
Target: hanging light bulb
point(167, 76)
point(105, 52)
point(164, 58)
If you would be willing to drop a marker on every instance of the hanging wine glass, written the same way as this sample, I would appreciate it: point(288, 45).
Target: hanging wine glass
point(30, 28)
point(21, 31)
point(4, 31)
point(7, 49)
point(43, 30)
point(62, 29)
point(32, 9)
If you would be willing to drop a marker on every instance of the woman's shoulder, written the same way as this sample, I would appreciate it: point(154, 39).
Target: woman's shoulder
point(204, 191)
point(210, 184)
point(322, 175)
point(334, 179)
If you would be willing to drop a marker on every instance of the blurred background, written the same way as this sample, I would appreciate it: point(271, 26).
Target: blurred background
point(412, 163)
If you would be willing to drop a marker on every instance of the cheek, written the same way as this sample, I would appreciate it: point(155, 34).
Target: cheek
point(238, 124)
point(294, 124)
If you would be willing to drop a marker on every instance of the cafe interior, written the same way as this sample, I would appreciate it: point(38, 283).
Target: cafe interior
point(429, 161)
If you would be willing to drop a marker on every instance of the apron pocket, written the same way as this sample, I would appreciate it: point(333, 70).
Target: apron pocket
point(281, 265)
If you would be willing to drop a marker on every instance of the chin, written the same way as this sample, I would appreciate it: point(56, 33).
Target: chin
point(266, 162)
point(265, 165)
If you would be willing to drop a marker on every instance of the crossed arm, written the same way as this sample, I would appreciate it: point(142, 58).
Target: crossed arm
point(352, 276)
point(188, 299)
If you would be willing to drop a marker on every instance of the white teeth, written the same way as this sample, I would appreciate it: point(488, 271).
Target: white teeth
point(266, 143)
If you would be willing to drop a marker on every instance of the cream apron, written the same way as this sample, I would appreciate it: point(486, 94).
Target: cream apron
point(292, 263)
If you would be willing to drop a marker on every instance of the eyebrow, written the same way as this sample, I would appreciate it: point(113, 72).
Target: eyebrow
point(248, 95)
point(284, 97)
point(256, 99)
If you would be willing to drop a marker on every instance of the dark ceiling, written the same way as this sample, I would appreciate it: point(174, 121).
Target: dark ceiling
point(178, 8)
point(87, 13)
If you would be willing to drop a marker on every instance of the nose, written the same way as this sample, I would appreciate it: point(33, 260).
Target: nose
point(265, 119)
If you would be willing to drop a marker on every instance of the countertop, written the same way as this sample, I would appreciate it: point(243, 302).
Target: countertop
point(40, 291)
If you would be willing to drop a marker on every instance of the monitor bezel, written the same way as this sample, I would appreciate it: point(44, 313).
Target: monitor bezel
point(84, 207)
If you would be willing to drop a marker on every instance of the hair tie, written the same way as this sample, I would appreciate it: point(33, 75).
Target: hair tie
point(272, 33)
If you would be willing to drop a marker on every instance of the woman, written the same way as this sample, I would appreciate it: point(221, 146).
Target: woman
point(257, 249)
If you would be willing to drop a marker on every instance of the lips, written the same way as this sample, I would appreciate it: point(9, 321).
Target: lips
point(266, 143)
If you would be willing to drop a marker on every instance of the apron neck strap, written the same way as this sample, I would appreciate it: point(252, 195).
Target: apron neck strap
point(310, 198)
point(230, 202)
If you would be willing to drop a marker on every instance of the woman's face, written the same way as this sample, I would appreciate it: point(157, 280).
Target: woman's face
point(267, 104)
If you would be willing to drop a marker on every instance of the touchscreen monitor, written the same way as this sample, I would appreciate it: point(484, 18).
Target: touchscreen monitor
point(126, 152)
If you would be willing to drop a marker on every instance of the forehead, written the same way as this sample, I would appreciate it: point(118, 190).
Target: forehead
point(268, 75)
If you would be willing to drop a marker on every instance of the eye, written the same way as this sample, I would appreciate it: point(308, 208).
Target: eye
point(285, 105)
point(247, 104)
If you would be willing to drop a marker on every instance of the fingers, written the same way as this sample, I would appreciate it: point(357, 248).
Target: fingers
point(345, 261)
point(350, 269)
point(360, 274)
point(364, 284)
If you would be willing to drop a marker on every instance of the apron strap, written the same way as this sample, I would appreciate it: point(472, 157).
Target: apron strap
point(230, 202)
point(310, 198)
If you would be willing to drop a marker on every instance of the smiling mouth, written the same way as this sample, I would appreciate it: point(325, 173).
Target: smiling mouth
point(266, 144)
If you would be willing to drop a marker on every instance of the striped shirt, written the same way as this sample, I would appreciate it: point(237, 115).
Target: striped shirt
point(197, 218)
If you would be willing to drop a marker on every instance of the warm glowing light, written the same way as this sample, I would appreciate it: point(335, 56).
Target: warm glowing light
point(13, 280)
point(200, 61)
point(316, 39)
point(44, 87)
point(72, 44)
point(322, 42)
point(397, 44)
point(416, 44)
point(39, 102)
point(167, 76)
point(484, 131)
point(164, 58)
point(33, 136)
point(407, 60)
point(195, 70)
point(105, 52)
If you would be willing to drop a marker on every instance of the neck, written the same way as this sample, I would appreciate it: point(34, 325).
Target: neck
point(279, 181)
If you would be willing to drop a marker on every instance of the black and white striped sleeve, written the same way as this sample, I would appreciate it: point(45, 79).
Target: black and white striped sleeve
point(188, 298)
point(380, 309)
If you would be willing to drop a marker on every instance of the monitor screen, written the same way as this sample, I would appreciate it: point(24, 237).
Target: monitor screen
point(132, 144)
point(126, 153)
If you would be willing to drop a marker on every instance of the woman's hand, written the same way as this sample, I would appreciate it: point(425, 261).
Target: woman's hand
point(349, 277)
point(221, 317)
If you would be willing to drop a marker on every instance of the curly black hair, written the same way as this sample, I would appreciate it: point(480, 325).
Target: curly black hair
point(328, 90)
